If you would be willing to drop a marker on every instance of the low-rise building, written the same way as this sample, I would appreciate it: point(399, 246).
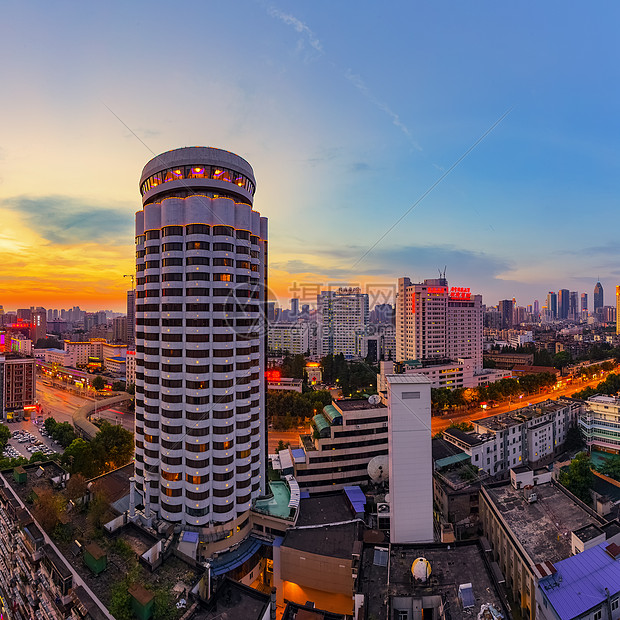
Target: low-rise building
point(531, 527)
point(449, 374)
point(582, 586)
point(347, 435)
point(599, 423)
point(531, 435)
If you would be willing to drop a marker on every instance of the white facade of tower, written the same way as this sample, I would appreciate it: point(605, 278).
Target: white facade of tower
point(201, 261)
point(410, 458)
point(342, 316)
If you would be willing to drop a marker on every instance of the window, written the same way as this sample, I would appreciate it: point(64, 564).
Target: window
point(197, 229)
point(172, 247)
point(598, 614)
point(198, 245)
point(614, 604)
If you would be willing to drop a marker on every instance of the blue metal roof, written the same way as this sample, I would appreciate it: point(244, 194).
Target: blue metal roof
point(580, 582)
point(357, 498)
point(191, 537)
point(231, 559)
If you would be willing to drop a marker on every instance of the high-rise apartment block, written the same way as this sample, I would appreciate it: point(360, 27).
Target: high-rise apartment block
point(131, 318)
point(617, 309)
point(201, 263)
point(341, 316)
point(435, 322)
point(584, 303)
point(563, 303)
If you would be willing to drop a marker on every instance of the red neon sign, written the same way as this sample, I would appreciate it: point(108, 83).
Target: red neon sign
point(273, 375)
point(460, 293)
point(436, 290)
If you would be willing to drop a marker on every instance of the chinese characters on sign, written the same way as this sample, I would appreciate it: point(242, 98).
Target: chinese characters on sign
point(439, 290)
point(460, 293)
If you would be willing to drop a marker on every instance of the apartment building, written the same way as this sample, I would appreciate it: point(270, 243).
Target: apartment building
point(18, 383)
point(35, 579)
point(531, 435)
point(599, 423)
point(291, 338)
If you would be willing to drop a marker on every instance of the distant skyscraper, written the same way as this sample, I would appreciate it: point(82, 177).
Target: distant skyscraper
point(598, 297)
point(584, 302)
point(38, 324)
point(552, 304)
point(294, 308)
point(573, 305)
point(271, 311)
point(506, 310)
point(536, 307)
point(201, 264)
point(617, 309)
point(563, 303)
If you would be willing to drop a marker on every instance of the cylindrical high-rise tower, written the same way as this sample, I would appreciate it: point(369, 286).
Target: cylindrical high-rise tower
point(201, 262)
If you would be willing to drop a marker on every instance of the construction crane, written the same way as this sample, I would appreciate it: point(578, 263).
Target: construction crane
point(132, 276)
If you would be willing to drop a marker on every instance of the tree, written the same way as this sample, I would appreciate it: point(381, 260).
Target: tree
point(50, 424)
point(48, 507)
point(77, 487)
point(578, 478)
point(98, 508)
point(131, 389)
point(118, 386)
point(114, 445)
point(98, 383)
point(562, 359)
point(611, 467)
point(81, 459)
point(5, 435)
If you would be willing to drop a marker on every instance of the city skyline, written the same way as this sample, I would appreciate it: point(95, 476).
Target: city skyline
point(348, 118)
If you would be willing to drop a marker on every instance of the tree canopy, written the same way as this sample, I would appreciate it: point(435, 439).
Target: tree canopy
point(578, 478)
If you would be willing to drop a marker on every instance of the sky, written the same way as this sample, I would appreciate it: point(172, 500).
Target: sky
point(387, 139)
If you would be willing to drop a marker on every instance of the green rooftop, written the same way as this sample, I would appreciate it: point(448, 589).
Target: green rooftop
point(321, 424)
point(333, 415)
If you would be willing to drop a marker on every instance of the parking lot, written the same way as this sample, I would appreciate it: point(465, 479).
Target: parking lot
point(28, 437)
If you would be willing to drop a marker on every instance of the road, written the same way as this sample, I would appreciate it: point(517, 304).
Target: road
point(57, 403)
point(291, 437)
point(60, 404)
point(440, 423)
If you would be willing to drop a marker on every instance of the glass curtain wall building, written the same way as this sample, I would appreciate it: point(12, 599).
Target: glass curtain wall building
point(201, 269)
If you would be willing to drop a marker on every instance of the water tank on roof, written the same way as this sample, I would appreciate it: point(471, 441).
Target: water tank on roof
point(421, 569)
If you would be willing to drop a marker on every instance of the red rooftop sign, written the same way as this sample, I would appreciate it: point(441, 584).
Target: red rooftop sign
point(460, 293)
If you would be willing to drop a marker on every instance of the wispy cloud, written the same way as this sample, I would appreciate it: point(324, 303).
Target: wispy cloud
point(63, 219)
point(299, 26)
point(361, 86)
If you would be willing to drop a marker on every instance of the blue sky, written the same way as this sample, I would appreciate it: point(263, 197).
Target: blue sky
point(348, 114)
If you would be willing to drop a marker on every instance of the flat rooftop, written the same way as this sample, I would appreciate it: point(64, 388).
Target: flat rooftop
point(543, 527)
point(451, 566)
point(335, 541)
point(324, 508)
point(470, 439)
point(518, 416)
point(356, 405)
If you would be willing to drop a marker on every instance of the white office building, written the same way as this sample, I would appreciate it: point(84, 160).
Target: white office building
point(201, 262)
point(291, 338)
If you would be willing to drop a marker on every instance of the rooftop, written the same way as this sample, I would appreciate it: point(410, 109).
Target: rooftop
point(294, 611)
point(278, 505)
point(543, 528)
point(580, 581)
point(356, 405)
point(231, 601)
point(451, 566)
point(324, 508)
point(518, 416)
point(471, 439)
point(334, 541)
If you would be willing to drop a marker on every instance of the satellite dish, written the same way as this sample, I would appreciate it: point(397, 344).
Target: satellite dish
point(378, 468)
point(375, 399)
point(421, 569)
